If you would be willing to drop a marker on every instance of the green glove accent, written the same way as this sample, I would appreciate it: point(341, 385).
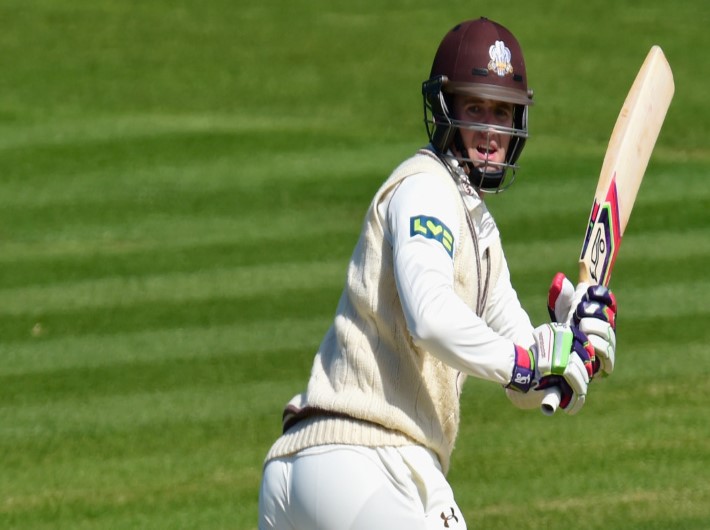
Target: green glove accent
point(562, 348)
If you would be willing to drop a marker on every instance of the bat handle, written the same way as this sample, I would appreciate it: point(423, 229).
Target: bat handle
point(551, 401)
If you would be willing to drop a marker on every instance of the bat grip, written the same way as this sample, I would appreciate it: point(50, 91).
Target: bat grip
point(551, 401)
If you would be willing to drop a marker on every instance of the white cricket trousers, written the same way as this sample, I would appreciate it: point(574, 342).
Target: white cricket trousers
point(346, 487)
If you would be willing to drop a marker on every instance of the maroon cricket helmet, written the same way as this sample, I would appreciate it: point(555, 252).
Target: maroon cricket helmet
point(478, 58)
point(482, 58)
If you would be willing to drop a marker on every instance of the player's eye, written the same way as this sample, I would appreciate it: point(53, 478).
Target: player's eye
point(474, 111)
point(504, 114)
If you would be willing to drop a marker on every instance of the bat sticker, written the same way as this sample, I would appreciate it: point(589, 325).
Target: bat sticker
point(601, 243)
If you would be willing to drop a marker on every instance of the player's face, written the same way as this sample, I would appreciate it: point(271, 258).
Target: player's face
point(484, 146)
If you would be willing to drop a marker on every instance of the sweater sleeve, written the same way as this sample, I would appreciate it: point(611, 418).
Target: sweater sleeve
point(418, 216)
point(505, 315)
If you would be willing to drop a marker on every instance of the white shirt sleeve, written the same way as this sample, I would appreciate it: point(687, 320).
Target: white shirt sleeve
point(438, 320)
point(505, 314)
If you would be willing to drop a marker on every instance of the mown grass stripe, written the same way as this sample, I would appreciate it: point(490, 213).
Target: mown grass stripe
point(87, 351)
point(238, 405)
point(122, 201)
point(156, 235)
point(205, 500)
point(137, 263)
point(158, 376)
point(215, 311)
point(173, 287)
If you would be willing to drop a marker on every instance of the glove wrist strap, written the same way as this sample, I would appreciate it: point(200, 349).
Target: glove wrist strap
point(523, 370)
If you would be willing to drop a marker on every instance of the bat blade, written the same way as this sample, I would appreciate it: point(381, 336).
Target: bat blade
point(629, 150)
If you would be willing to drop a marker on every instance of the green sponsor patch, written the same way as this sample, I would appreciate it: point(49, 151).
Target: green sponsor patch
point(432, 228)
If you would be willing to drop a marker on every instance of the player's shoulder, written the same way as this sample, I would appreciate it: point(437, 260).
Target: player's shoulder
point(423, 161)
point(424, 184)
point(423, 193)
point(424, 170)
point(421, 173)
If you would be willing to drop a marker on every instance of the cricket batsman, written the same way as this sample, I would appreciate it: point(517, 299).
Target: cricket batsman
point(427, 302)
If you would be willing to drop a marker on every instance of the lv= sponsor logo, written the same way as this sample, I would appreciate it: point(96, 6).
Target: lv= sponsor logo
point(432, 228)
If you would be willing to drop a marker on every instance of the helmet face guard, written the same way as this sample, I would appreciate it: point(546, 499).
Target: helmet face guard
point(483, 59)
point(443, 132)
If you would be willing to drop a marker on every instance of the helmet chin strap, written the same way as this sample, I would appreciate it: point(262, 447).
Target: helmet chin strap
point(481, 180)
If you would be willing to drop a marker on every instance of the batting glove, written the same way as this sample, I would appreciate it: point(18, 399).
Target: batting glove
point(563, 297)
point(595, 315)
point(561, 356)
point(592, 308)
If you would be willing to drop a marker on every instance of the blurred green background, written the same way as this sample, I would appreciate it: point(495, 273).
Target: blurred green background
point(182, 185)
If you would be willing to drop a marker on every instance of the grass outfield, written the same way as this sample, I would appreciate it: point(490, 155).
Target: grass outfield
point(182, 185)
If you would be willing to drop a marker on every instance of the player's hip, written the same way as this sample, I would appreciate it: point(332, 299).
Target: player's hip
point(349, 486)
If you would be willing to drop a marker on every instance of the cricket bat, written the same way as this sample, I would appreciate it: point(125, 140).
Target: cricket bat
point(627, 155)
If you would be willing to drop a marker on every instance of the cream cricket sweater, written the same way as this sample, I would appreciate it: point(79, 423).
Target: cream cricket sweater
point(370, 384)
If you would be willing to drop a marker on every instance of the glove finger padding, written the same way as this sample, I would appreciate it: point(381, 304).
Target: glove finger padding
point(560, 298)
point(603, 338)
point(597, 302)
point(578, 379)
point(596, 317)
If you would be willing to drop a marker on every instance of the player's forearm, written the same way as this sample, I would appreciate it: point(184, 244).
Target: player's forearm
point(504, 313)
point(482, 355)
point(441, 323)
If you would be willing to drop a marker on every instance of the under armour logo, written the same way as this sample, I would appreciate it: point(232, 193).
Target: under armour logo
point(447, 518)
